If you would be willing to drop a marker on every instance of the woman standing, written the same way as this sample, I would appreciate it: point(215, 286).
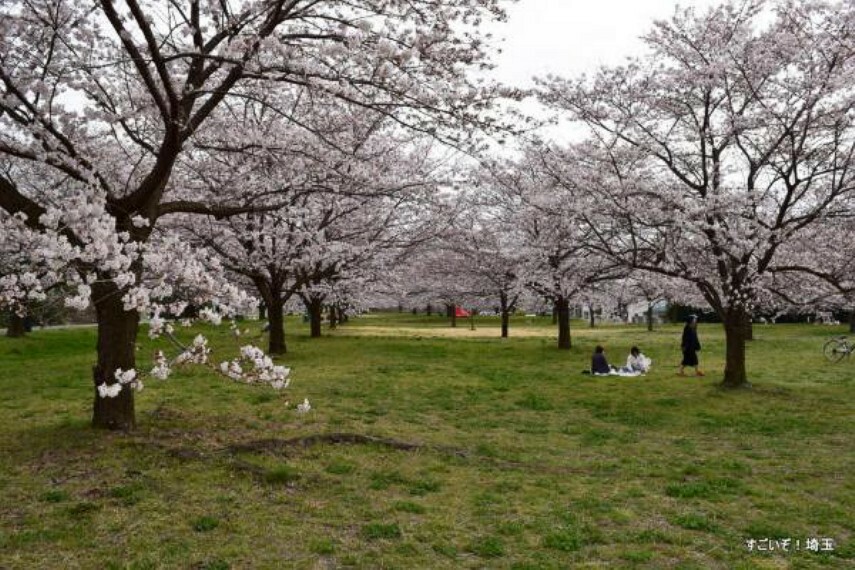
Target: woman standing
point(690, 345)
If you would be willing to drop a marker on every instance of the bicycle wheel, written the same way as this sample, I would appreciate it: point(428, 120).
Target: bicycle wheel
point(835, 349)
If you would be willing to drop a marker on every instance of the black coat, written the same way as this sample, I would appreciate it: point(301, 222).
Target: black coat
point(599, 364)
point(691, 346)
point(690, 340)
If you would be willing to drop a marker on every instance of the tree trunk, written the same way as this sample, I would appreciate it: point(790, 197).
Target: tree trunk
point(262, 311)
point(16, 327)
point(342, 316)
point(852, 321)
point(503, 299)
point(650, 317)
point(562, 310)
point(429, 310)
point(117, 337)
point(276, 322)
point(554, 315)
point(453, 316)
point(749, 328)
point(735, 337)
point(315, 308)
point(333, 317)
point(593, 322)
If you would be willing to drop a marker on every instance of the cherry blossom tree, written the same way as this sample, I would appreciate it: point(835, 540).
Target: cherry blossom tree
point(550, 213)
point(19, 281)
point(486, 259)
point(817, 272)
point(102, 99)
point(721, 147)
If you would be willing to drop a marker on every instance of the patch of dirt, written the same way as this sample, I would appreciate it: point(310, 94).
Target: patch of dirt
point(447, 332)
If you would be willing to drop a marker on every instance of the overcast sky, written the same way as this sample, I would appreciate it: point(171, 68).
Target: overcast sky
point(568, 37)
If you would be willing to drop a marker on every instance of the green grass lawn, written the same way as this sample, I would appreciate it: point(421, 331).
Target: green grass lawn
point(521, 461)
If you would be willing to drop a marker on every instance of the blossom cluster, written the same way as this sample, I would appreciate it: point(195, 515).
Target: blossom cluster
point(255, 366)
point(123, 378)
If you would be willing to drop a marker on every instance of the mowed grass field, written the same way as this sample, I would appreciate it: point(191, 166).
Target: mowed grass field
point(487, 453)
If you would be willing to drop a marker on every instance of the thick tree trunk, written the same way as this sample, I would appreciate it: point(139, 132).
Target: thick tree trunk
point(749, 328)
point(554, 315)
point(562, 310)
point(506, 314)
point(852, 321)
point(117, 337)
point(650, 317)
point(16, 327)
point(735, 337)
point(315, 308)
point(453, 316)
point(276, 322)
point(429, 310)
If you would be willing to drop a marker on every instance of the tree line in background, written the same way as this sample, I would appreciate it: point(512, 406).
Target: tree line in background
point(156, 156)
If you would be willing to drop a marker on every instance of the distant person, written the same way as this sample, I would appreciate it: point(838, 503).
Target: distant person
point(690, 345)
point(637, 362)
point(599, 364)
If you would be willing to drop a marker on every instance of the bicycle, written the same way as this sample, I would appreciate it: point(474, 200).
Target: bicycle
point(838, 348)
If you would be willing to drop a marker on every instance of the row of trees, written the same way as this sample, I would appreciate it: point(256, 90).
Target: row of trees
point(120, 122)
point(718, 167)
point(158, 153)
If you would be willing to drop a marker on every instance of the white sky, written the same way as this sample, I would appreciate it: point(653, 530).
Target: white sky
point(569, 37)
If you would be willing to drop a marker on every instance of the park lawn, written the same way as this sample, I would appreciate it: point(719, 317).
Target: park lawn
point(521, 462)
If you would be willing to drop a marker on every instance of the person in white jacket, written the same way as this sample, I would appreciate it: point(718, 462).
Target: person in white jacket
point(637, 362)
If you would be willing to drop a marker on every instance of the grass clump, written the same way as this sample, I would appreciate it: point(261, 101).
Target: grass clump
point(205, 523)
point(488, 547)
point(281, 475)
point(375, 531)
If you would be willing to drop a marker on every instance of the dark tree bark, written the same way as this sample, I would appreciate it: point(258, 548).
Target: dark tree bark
point(262, 311)
point(333, 316)
point(852, 321)
point(16, 328)
point(506, 314)
point(650, 317)
point(342, 316)
point(117, 336)
point(593, 322)
point(315, 307)
point(735, 338)
point(562, 310)
point(429, 310)
point(276, 321)
point(453, 316)
point(749, 328)
point(554, 315)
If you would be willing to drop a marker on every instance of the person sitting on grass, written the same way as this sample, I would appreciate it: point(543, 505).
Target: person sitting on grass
point(599, 364)
point(637, 362)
